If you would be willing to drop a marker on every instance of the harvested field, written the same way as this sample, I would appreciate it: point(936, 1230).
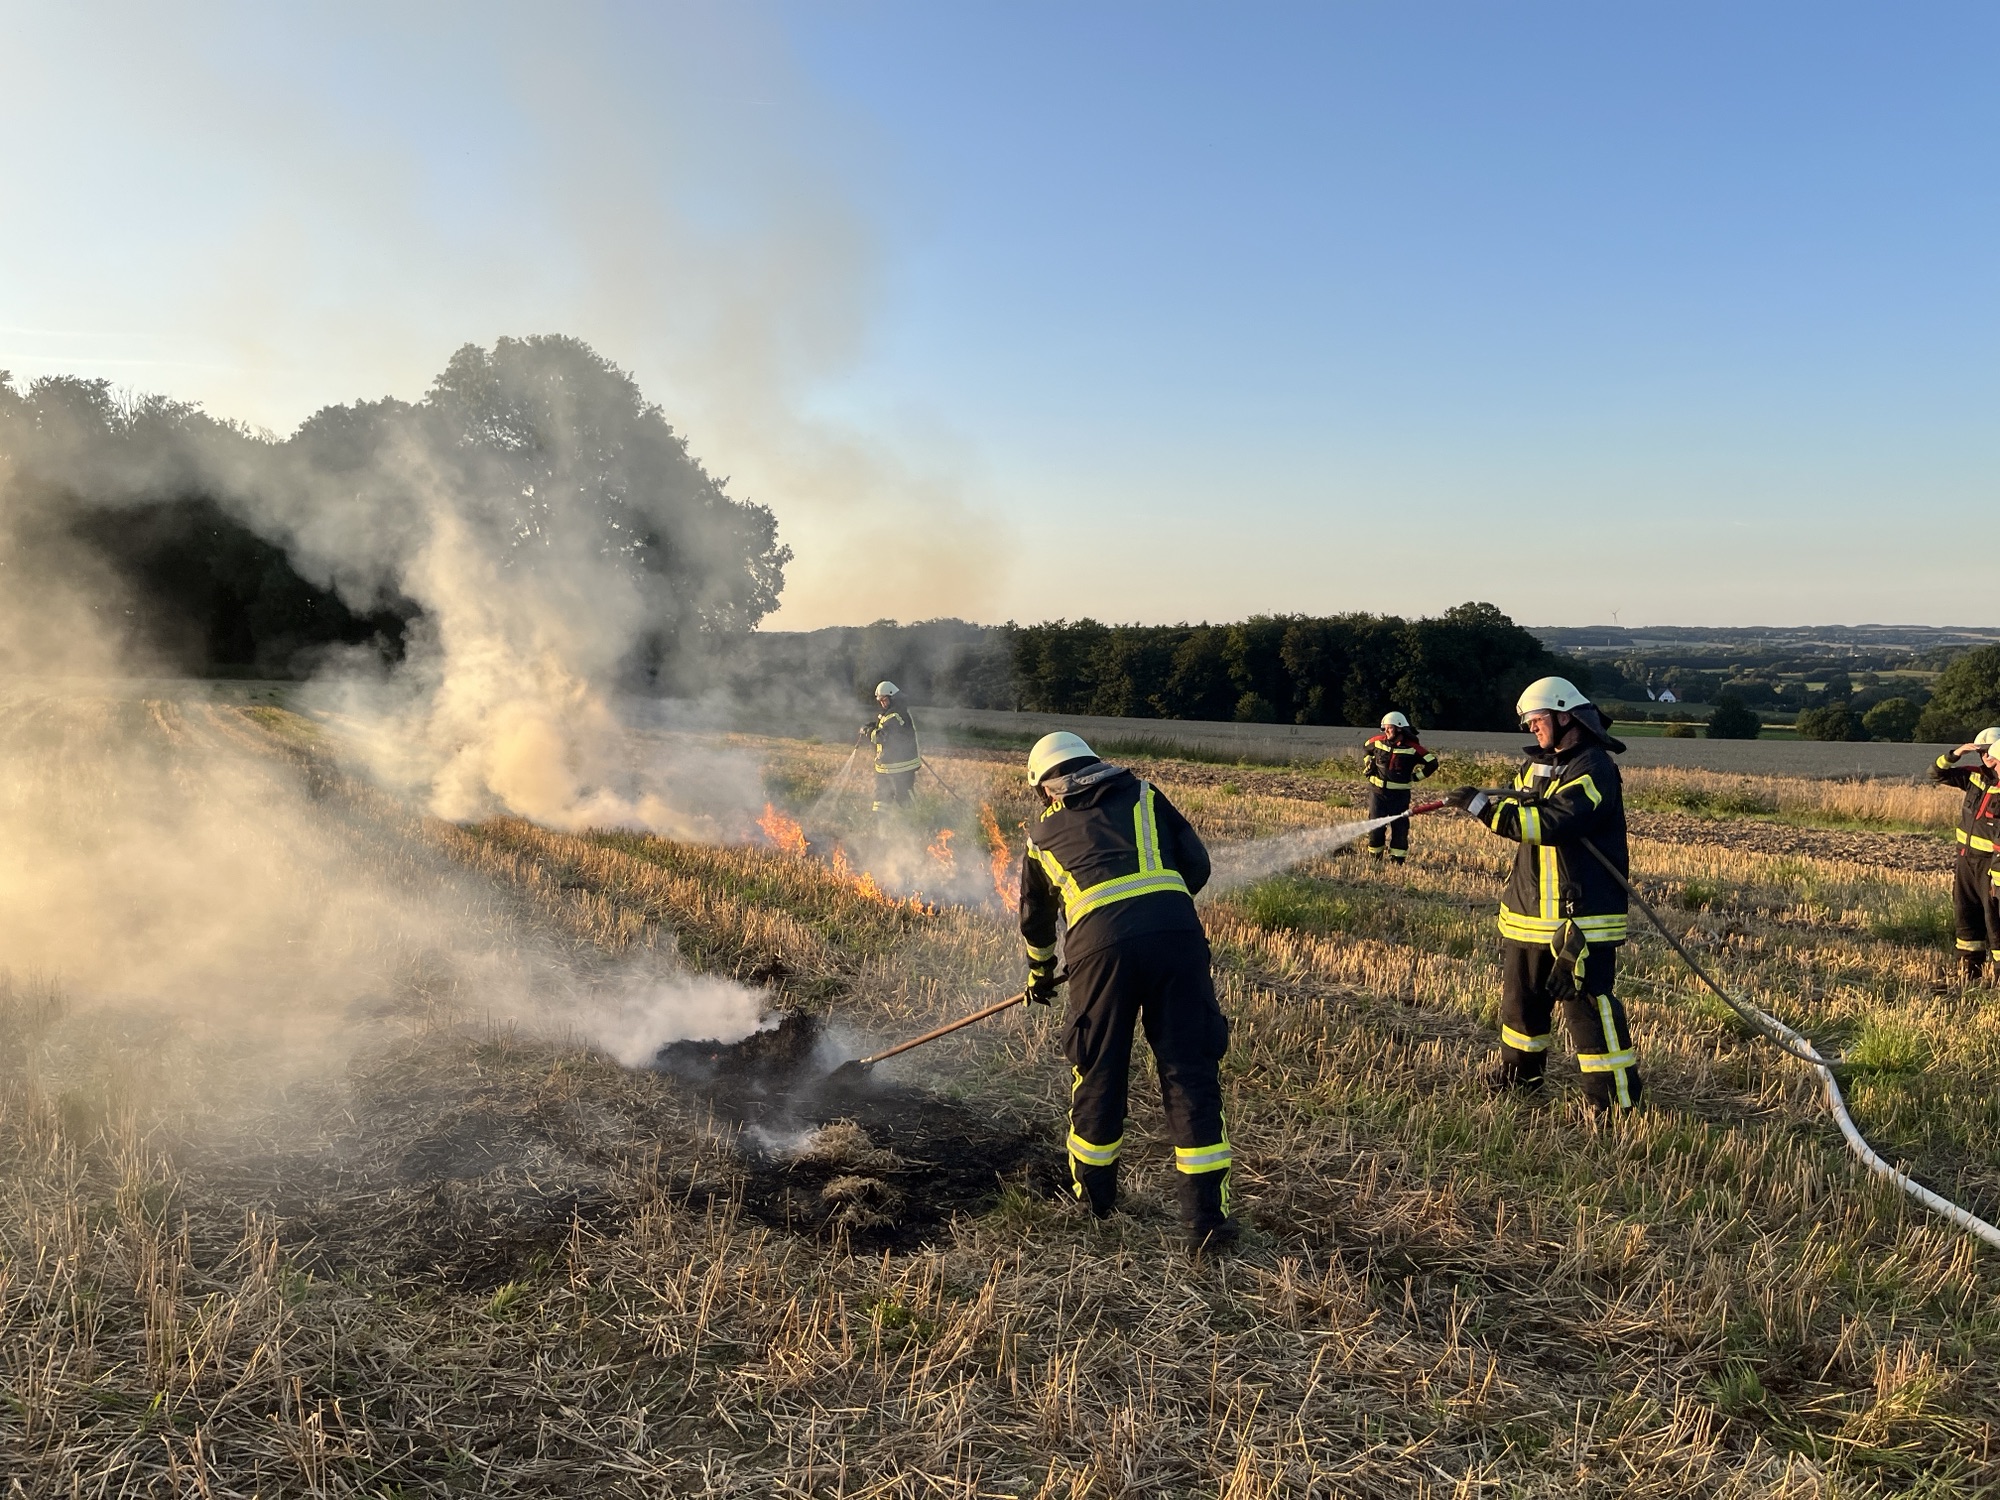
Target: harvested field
point(1881, 849)
point(457, 1248)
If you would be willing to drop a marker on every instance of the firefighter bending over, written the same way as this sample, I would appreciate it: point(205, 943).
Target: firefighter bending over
point(894, 735)
point(1562, 914)
point(1115, 864)
point(1393, 761)
point(1974, 912)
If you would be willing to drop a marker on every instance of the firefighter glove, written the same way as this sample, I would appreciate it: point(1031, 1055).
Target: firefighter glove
point(1467, 799)
point(1570, 948)
point(1042, 981)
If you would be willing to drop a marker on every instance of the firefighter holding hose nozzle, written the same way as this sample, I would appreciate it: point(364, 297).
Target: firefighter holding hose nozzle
point(893, 733)
point(1393, 762)
point(1562, 914)
point(1113, 863)
point(1973, 898)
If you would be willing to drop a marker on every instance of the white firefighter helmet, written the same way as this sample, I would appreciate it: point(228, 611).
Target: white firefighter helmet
point(1394, 720)
point(1051, 750)
point(886, 689)
point(1986, 739)
point(1549, 693)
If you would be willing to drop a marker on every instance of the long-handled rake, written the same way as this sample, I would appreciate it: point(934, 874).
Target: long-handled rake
point(858, 1067)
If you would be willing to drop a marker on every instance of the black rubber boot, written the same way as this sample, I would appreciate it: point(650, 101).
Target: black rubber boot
point(1515, 1073)
point(1971, 967)
point(1204, 1209)
point(1597, 1089)
point(1097, 1187)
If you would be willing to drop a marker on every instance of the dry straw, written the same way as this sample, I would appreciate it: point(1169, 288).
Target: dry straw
point(1442, 1295)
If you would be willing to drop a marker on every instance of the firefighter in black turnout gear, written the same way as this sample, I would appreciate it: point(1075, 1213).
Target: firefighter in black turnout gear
point(1973, 897)
point(1114, 864)
point(893, 733)
point(1563, 914)
point(1393, 762)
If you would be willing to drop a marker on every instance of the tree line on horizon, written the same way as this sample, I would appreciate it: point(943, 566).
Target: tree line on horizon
point(188, 529)
point(1459, 670)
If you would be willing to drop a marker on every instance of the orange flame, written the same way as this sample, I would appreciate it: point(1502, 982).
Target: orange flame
point(1006, 879)
point(784, 832)
point(940, 849)
point(863, 883)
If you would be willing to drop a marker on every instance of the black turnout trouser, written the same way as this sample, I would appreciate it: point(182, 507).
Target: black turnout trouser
point(1532, 981)
point(1161, 981)
point(1382, 802)
point(893, 788)
point(1973, 907)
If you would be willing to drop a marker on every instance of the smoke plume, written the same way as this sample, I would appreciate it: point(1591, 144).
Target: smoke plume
point(158, 857)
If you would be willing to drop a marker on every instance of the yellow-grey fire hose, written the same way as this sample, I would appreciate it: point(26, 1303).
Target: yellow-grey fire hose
point(1793, 1044)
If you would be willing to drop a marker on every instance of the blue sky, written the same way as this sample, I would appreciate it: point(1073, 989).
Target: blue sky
point(1148, 312)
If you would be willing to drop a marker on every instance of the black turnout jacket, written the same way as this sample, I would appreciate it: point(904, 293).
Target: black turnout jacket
point(1979, 818)
point(1559, 799)
point(1111, 858)
point(894, 735)
point(1392, 764)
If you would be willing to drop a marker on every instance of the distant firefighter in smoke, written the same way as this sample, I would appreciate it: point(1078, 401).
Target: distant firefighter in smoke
point(1115, 863)
point(1393, 761)
point(893, 733)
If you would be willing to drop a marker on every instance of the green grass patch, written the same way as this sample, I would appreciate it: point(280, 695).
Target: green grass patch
point(1698, 895)
point(1297, 903)
point(1731, 802)
point(1886, 1047)
point(1917, 923)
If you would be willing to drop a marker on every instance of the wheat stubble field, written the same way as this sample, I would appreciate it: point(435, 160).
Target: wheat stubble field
point(450, 1254)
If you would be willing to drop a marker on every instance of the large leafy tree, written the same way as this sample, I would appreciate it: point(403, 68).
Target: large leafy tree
point(1964, 700)
point(558, 435)
point(537, 458)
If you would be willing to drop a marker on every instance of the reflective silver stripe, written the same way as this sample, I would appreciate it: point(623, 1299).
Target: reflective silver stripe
point(1520, 1041)
point(1531, 825)
point(1192, 1159)
point(1093, 1155)
point(1041, 955)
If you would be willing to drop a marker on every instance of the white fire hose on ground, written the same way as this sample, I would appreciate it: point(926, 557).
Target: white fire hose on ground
point(1794, 1045)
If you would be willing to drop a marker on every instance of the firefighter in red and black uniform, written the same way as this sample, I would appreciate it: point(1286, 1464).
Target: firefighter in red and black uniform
point(1974, 912)
point(1563, 914)
point(893, 733)
point(1393, 762)
point(1114, 864)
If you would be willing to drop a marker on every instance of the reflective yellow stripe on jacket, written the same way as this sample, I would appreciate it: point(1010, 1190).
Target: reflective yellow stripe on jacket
point(1974, 841)
point(1152, 876)
point(1610, 928)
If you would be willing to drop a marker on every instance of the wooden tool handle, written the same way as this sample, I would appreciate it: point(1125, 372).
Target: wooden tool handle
point(944, 1030)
